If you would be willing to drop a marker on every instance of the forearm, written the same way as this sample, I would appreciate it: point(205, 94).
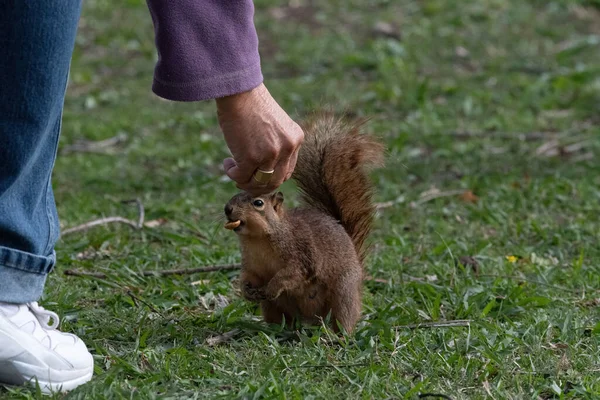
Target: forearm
point(207, 48)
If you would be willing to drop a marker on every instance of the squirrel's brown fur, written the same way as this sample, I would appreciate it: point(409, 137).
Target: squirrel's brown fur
point(307, 262)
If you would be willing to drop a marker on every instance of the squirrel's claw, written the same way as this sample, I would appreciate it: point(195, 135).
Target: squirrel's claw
point(253, 294)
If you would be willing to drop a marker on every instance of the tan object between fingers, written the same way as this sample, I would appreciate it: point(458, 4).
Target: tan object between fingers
point(263, 177)
point(232, 225)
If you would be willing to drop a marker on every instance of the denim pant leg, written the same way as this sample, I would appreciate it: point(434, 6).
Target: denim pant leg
point(36, 44)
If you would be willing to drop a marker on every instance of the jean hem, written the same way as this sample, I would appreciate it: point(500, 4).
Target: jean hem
point(26, 262)
point(18, 286)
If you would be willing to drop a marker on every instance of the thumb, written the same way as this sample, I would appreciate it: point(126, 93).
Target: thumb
point(228, 163)
point(235, 173)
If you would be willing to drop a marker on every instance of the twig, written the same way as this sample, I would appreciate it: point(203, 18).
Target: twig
point(76, 272)
point(330, 365)
point(134, 297)
point(554, 148)
point(109, 220)
point(442, 324)
point(141, 212)
point(437, 195)
point(430, 195)
point(584, 157)
point(166, 272)
point(391, 203)
point(525, 137)
point(187, 271)
point(101, 221)
point(439, 395)
point(101, 146)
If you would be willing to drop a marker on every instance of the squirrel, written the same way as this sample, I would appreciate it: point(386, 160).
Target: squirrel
point(307, 263)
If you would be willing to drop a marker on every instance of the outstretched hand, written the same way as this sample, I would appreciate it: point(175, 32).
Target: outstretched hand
point(260, 135)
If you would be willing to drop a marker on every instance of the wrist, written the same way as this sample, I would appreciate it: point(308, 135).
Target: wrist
point(236, 101)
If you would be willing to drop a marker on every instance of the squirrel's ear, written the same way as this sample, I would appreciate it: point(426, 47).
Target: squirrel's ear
point(277, 200)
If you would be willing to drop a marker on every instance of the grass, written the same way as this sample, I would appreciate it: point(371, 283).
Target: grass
point(467, 96)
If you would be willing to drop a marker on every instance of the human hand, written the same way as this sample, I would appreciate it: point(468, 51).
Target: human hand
point(260, 135)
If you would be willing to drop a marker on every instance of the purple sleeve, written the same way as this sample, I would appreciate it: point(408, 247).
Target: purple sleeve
point(206, 48)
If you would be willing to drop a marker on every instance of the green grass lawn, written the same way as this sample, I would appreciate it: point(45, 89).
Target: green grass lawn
point(498, 98)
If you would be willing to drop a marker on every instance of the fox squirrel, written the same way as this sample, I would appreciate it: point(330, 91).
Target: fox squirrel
point(307, 263)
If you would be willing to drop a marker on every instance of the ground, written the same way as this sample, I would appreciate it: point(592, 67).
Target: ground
point(490, 110)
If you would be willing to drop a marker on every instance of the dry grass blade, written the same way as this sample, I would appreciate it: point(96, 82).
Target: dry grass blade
point(111, 220)
point(428, 196)
point(76, 272)
point(442, 324)
point(434, 396)
point(101, 146)
point(378, 280)
point(101, 221)
point(363, 364)
point(524, 137)
point(141, 212)
point(391, 203)
point(219, 339)
point(166, 272)
point(554, 147)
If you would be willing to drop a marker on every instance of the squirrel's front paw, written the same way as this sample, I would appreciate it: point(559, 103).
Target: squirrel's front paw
point(253, 293)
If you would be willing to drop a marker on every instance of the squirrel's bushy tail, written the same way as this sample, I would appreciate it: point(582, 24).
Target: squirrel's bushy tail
point(332, 173)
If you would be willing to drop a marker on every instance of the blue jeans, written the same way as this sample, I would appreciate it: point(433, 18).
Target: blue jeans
point(36, 43)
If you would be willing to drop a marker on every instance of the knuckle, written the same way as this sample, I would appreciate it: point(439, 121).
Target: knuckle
point(289, 145)
point(299, 135)
point(253, 157)
point(270, 152)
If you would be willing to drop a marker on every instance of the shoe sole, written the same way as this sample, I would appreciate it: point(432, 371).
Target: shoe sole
point(52, 387)
point(15, 371)
point(11, 375)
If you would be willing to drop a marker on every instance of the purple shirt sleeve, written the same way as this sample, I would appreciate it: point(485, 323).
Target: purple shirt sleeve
point(206, 48)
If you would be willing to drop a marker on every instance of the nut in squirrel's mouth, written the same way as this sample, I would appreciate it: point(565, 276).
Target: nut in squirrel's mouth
point(234, 225)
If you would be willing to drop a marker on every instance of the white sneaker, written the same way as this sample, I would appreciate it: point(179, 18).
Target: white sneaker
point(32, 349)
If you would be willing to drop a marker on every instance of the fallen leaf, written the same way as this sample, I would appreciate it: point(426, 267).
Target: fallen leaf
point(469, 197)
point(221, 301)
point(591, 303)
point(155, 222)
point(227, 336)
point(469, 261)
point(201, 282)
point(210, 301)
point(559, 346)
point(461, 52)
point(386, 29)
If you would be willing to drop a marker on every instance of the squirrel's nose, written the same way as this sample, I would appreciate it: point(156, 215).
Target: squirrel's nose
point(228, 209)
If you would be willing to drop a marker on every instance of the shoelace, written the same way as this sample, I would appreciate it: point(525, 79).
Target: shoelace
point(44, 316)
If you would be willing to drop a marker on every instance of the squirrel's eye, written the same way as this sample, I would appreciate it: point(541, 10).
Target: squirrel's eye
point(258, 203)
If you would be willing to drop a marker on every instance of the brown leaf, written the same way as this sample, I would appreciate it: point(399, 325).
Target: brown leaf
point(386, 29)
point(469, 261)
point(591, 303)
point(469, 197)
